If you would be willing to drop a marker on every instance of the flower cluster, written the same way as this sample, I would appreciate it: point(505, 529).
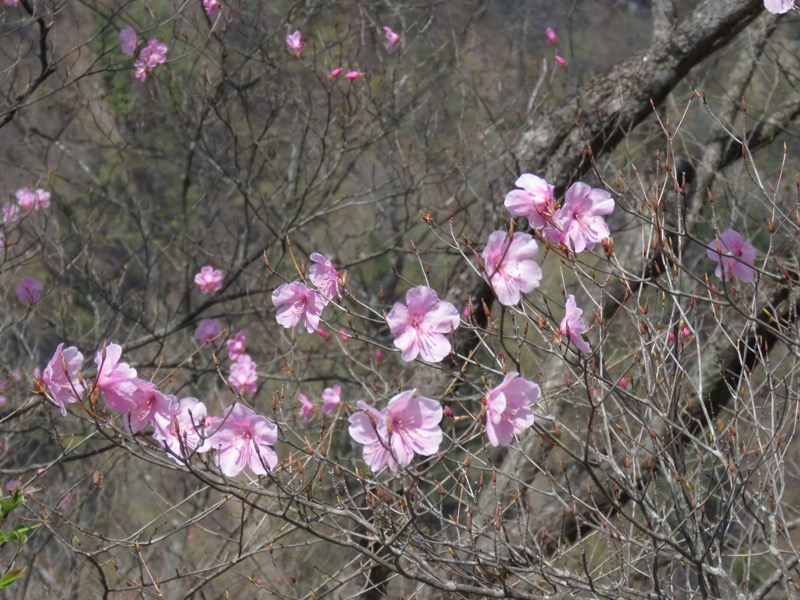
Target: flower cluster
point(28, 201)
point(297, 303)
point(152, 55)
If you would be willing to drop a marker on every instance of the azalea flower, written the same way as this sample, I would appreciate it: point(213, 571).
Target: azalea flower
point(508, 408)
point(296, 302)
point(30, 200)
point(209, 280)
point(408, 425)
point(148, 401)
point(353, 75)
point(211, 6)
point(560, 60)
point(332, 398)
point(392, 39)
point(13, 3)
point(324, 276)
point(208, 331)
point(243, 375)
point(579, 222)
point(29, 290)
point(295, 42)
point(10, 213)
point(117, 380)
point(152, 55)
point(128, 41)
point(182, 427)
point(535, 201)
point(61, 377)
point(336, 72)
point(509, 264)
point(308, 407)
point(236, 346)
point(572, 325)
point(552, 38)
point(735, 256)
point(779, 7)
point(244, 440)
point(422, 325)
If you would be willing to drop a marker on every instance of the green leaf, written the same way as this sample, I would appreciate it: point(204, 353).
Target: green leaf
point(11, 577)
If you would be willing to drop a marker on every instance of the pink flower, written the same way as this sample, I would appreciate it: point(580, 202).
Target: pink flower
point(378, 356)
point(336, 72)
point(343, 335)
point(211, 7)
point(392, 39)
point(295, 42)
point(148, 402)
point(735, 256)
point(243, 375)
point(236, 346)
point(332, 398)
point(61, 376)
point(510, 266)
point(408, 425)
point(552, 38)
point(117, 380)
point(244, 440)
point(26, 199)
point(353, 75)
point(321, 332)
point(182, 428)
point(560, 60)
point(579, 222)
point(152, 55)
point(308, 407)
point(779, 7)
point(10, 213)
point(29, 290)
point(572, 325)
point(296, 302)
point(208, 332)
point(209, 280)
point(128, 41)
point(14, 3)
point(686, 332)
point(535, 201)
point(324, 276)
point(508, 408)
point(623, 383)
point(422, 325)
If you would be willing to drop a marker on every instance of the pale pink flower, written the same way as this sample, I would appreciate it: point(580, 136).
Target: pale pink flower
point(296, 302)
point(29, 290)
point(236, 346)
point(354, 75)
point(324, 276)
point(182, 428)
point(148, 401)
point(560, 60)
point(208, 332)
point(552, 38)
point(152, 55)
point(244, 440)
point(308, 407)
point(26, 198)
point(392, 39)
point(10, 213)
point(117, 380)
point(423, 324)
point(779, 7)
point(508, 408)
point(40, 199)
point(128, 41)
point(209, 280)
point(510, 266)
point(735, 256)
point(535, 201)
point(13, 3)
point(336, 72)
point(332, 397)
point(579, 223)
point(572, 325)
point(243, 376)
point(211, 6)
point(408, 425)
point(295, 42)
point(61, 376)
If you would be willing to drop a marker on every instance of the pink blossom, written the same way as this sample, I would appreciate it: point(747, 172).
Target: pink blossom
point(117, 380)
point(308, 407)
point(354, 75)
point(779, 7)
point(62, 377)
point(735, 256)
point(296, 302)
point(209, 280)
point(182, 428)
point(579, 222)
point(236, 346)
point(336, 72)
point(152, 55)
point(572, 325)
point(510, 266)
point(244, 439)
point(408, 425)
point(560, 60)
point(128, 41)
point(29, 290)
point(10, 213)
point(378, 356)
point(508, 408)
point(147, 401)
point(332, 397)
point(296, 42)
point(14, 3)
point(392, 39)
point(423, 324)
point(243, 376)
point(343, 335)
point(623, 383)
point(535, 201)
point(552, 38)
point(211, 6)
point(208, 332)
point(321, 332)
point(26, 199)
point(686, 332)
point(324, 276)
